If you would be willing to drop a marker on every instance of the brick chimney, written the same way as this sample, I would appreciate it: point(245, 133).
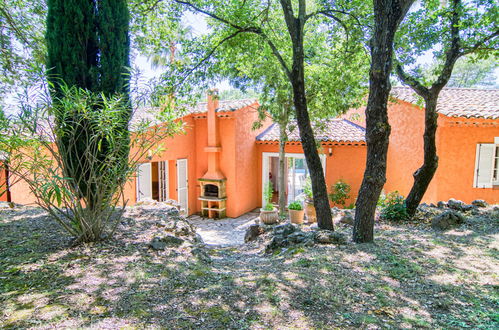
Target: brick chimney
point(213, 149)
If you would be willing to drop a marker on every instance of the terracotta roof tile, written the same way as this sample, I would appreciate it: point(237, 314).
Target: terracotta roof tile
point(458, 102)
point(223, 105)
point(334, 130)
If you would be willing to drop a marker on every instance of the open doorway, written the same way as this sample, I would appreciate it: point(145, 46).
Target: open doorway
point(152, 181)
point(296, 172)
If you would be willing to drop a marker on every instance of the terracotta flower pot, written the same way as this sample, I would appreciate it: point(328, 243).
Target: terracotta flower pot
point(269, 217)
point(296, 216)
point(310, 212)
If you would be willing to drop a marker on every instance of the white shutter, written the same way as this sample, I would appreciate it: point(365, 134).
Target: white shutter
point(144, 181)
point(182, 187)
point(483, 165)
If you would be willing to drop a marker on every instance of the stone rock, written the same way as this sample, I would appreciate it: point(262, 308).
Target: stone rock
point(479, 203)
point(157, 244)
point(329, 237)
point(275, 243)
point(160, 243)
point(284, 229)
point(300, 237)
point(441, 205)
point(252, 233)
point(348, 217)
point(447, 220)
point(455, 204)
point(201, 254)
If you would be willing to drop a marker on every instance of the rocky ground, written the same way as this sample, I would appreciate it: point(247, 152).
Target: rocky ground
point(156, 273)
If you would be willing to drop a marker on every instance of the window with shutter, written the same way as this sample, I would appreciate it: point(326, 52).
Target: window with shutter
point(484, 165)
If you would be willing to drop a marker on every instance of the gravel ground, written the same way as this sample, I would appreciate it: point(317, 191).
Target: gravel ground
point(412, 277)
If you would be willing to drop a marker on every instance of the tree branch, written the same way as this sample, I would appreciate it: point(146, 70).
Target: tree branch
point(411, 81)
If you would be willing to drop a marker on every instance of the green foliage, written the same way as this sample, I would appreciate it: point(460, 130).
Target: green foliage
point(37, 155)
point(340, 192)
point(268, 193)
point(22, 55)
point(295, 206)
point(393, 207)
point(307, 189)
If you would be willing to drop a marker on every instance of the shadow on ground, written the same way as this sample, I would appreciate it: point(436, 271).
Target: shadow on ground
point(411, 277)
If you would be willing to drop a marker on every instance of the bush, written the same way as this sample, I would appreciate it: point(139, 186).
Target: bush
point(295, 206)
point(78, 175)
point(307, 190)
point(393, 207)
point(268, 193)
point(340, 193)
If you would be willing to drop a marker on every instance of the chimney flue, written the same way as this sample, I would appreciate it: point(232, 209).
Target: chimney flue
point(213, 149)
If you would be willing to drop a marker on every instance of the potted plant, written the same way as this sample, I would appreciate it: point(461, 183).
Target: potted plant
point(310, 213)
point(268, 213)
point(296, 212)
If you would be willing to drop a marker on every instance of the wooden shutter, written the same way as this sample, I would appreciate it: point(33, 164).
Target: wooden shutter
point(182, 185)
point(144, 181)
point(483, 165)
point(163, 181)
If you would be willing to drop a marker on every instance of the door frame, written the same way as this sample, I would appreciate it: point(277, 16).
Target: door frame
point(265, 166)
point(186, 183)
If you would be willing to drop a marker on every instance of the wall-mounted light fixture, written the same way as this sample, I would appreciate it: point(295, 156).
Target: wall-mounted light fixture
point(149, 155)
point(330, 152)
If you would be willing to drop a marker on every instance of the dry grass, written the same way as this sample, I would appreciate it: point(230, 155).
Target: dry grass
point(412, 277)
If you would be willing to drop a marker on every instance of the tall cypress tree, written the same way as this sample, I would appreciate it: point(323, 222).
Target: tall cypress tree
point(88, 47)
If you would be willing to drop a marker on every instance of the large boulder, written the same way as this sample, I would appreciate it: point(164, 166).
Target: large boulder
point(329, 237)
point(447, 220)
point(253, 232)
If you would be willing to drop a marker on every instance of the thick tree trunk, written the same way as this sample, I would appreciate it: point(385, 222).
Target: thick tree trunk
point(424, 175)
point(321, 201)
point(282, 169)
point(388, 14)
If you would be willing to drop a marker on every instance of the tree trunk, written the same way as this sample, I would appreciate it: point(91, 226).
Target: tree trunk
point(424, 175)
point(297, 78)
point(388, 14)
point(283, 137)
point(321, 201)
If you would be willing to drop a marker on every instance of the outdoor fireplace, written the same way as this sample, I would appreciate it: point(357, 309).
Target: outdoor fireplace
point(213, 194)
point(210, 190)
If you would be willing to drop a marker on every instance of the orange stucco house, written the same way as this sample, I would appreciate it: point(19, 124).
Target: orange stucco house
point(219, 165)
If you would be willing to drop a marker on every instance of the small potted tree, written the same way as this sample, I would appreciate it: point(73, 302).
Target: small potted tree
point(296, 212)
point(268, 213)
point(310, 213)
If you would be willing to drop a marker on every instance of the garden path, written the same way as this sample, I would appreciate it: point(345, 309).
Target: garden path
point(223, 232)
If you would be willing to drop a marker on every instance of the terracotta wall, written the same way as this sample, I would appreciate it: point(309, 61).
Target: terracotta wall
point(180, 146)
point(405, 150)
point(457, 151)
point(3, 185)
point(246, 152)
point(346, 163)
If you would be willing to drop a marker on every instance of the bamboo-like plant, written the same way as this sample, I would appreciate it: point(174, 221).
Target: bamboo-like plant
point(36, 147)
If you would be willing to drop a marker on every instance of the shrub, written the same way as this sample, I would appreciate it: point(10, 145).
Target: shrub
point(38, 146)
point(393, 207)
point(268, 193)
point(340, 193)
point(295, 206)
point(307, 190)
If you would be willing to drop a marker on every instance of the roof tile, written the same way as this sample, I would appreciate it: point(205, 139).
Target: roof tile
point(458, 102)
